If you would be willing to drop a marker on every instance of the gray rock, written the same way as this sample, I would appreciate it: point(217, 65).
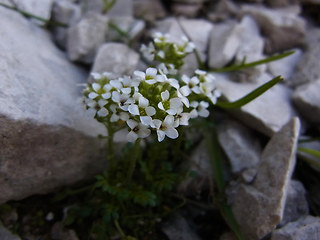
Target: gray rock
point(283, 28)
point(95, 6)
point(5, 234)
point(296, 204)
point(149, 10)
point(85, 37)
point(117, 58)
point(178, 229)
point(58, 232)
point(251, 48)
point(285, 67)
point(64, 12)
point(190, 10)
point(224, 42)
point(240, 145)
point(200, 167)
point(258, 208)
point(38, 8)
point(306, 228)
point(133, 29)
point(308, 68)
point(223, 10)
point(44, 131)
point(267, 113)
point(307, 100)
point(122, 8)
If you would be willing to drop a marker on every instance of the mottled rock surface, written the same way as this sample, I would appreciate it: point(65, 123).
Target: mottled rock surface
point(117, 58)
point(267, 194)
point(240, 145)
point(44, 131)
point(267, 113)
point(306, 228)
point(307, 100)
point(5, 234)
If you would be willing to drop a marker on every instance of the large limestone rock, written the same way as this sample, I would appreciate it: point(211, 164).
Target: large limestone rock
point(259, 207)
point(46, 138)
point(267, 113)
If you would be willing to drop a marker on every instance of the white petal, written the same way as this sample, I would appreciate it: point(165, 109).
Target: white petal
point(151, 81)
point(200, 72)
point(132, 136)
point(185, 91)
point(96, 75)
point(126, 90)
point(168, 121)
point(150, 111)
point(116, 84)
point(204, 104)
point(174, 83)
point(175, 103)
point(143, 102)
point(196, 90)
point(151, 71)
point(171, 132)
point(194, 104)
point(116, 96)
point(195, 80)
point(172, 111)
point(134, 109)
point(160, 106)
point(146, 120)
point(161, 135)
point(165, 95)
point(193, 113)
point(131, 123)
point(114, 118)
point(92, 95)
point(106, 95)
point(144, 132)
point(91, 103)
point(161, 78)
point(185, 79)
point(161, 54)
point(124, 116)
point(102, 112)
point(96, 86)
point(203, 113)
point(102, 103)
point(140, 75)
point(156, 123)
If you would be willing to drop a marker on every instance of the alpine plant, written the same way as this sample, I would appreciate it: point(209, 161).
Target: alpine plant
point(154, 100)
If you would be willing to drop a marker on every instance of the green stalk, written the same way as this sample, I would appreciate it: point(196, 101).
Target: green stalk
point(133, 159)
point(122, 234)
point(110, 145)
point(30, 15)
point(253, 64)
point(215, 160)
point(250, 96)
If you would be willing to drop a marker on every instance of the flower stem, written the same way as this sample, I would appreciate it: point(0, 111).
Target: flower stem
point(110, 146)
point(116, 223)
point(133, 159)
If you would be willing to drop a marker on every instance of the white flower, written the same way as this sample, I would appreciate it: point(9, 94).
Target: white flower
point(200, 109)
point(149, 76)
point(117, 115)
point(165, 128)
point(192, 85)
point(167, 69)
point(122, 99)
point(148, 51)
point(171, 106)
point(97, 108)
point(173, 82)
point(182, 118)
point(138, 130)
point(159, 37)
point(143, 110)
point(204, 76)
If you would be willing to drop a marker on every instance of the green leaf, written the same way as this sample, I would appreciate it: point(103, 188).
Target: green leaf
point(250, 96)
point(244, 65)
point(314, 159)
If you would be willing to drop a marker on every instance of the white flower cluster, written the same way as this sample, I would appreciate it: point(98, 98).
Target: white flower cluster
point(150, 101)
point(167, 51)
point(153, 100)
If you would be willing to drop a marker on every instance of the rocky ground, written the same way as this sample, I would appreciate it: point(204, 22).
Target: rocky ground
point(48, 142)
